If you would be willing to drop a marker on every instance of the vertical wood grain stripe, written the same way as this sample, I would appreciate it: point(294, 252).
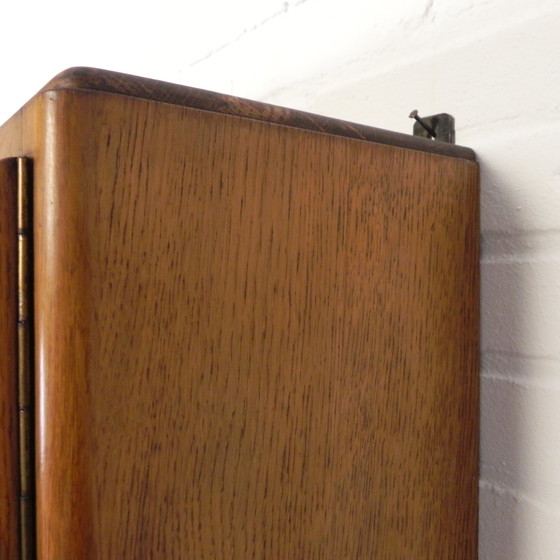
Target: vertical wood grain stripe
point(63, 450)
point(9, 491)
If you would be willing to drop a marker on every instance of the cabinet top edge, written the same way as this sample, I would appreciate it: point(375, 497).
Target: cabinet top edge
point(106, 81)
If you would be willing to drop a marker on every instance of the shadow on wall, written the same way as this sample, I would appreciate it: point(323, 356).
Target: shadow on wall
point(502, 528)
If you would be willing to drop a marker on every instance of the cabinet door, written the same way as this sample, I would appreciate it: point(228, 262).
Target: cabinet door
point(253, 341)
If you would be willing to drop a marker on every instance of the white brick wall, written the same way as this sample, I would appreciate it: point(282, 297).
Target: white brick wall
point(493, 64)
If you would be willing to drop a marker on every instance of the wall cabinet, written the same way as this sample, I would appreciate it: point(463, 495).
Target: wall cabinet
point(248, 332)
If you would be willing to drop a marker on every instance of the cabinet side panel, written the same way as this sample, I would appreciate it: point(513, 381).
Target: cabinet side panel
point(253, 341)
point(9, 473)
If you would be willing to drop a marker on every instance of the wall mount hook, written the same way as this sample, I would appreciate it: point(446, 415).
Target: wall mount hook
point(439, 127)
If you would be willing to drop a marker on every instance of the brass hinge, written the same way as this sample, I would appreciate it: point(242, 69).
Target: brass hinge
point(25, 359)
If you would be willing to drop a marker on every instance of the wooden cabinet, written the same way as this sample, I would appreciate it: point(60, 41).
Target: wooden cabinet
point(252, 332)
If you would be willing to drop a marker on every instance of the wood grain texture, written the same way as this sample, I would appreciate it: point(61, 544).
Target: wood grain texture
point(253, 341)
point(9, 474)
point(145, 88)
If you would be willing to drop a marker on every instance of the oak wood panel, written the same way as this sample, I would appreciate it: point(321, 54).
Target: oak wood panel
point(135, 86)
point(253, 341)
point(9, 488)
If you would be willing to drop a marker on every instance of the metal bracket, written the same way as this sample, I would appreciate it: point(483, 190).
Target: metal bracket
point(25, 358)
point(439, 127)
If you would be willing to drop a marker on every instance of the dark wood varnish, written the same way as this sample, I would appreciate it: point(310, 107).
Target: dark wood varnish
point(253, 340)
point(145, 88)
point(9, 474)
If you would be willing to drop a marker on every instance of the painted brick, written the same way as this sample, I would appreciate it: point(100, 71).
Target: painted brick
point(520, 178)
point(520, 307)
point(520, 437)
point(513, 527)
